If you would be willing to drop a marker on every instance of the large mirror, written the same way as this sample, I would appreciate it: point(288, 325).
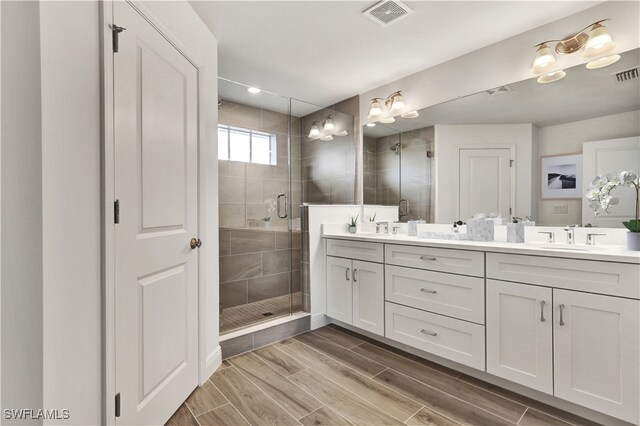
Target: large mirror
point(523, 149)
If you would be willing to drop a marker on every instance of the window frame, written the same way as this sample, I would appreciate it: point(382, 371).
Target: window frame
point(273, 144)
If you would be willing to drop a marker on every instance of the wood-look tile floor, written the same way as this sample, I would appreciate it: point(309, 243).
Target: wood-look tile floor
point(332, 376)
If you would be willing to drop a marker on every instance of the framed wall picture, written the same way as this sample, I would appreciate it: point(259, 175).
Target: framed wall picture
point(561, 177)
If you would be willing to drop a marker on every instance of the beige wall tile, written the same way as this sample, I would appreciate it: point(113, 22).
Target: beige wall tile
point(232, 215)
point(251, 240)
point(239, 267)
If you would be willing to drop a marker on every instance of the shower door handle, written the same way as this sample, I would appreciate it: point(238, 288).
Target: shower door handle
point(286, 203)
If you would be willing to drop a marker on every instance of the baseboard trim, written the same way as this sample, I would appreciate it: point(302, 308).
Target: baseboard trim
point(214, 360)
point(318, 321)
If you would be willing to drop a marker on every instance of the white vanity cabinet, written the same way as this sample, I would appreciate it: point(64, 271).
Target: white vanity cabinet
point(596, 340)
point(520, 334)
point(355, 288)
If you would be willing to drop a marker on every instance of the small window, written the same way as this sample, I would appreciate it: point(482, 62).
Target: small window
point(245, 145)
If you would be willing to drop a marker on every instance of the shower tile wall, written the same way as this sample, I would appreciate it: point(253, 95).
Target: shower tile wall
point(256, 262)
point(329, 167)
point(388, 177)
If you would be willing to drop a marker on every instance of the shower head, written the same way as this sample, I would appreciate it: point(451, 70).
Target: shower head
point(395, 148)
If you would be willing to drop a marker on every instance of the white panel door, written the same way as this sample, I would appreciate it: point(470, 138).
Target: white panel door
point(485, 182)
point(368, 296)
point(520, 334)
point(596, 340)
point(339, 289)
point(610, 156)
point(156, 271)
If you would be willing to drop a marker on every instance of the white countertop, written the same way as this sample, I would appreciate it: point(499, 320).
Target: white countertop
point(610, 253)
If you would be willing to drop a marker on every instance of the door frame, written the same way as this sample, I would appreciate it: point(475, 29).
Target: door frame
point(514, 164)
point(206, 362)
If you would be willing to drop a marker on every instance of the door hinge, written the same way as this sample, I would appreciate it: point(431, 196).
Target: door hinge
point(116, 211)
point(511, 163)
point(118, 404)
point(115, 31)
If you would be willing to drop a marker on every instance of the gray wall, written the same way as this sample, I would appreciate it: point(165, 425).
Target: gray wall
point(21, 244)
point(329, 170)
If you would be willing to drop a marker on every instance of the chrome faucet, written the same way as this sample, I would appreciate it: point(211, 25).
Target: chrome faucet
point(571, 233)
point(386, 227)
point(591, 241)
point(550, 236)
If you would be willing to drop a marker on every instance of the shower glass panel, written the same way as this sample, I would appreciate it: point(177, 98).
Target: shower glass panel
point(259, 207)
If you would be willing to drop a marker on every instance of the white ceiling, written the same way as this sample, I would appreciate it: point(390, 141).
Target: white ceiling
point(325, 51)
point(581, 95)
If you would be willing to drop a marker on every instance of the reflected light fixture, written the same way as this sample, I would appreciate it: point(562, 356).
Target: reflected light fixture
point(327, 138)
point(315, 131)
point(328, 125)
point(253, 90)
point(342, 133)
point(371, 124)
point(410, 114)
point(393, 104)
point(595, 40)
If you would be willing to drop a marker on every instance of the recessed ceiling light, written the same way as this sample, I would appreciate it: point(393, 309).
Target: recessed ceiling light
point(253, 90)
point(371, 124)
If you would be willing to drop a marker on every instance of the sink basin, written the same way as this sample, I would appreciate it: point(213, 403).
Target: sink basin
point(570, 247)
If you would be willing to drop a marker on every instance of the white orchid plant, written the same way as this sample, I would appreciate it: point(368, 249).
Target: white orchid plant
point(601, 200)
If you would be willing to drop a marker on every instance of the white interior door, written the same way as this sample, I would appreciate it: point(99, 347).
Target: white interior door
point(485, 182)
point(156, 270)
point(610, 156)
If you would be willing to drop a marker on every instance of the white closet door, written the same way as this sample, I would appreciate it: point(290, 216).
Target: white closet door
point(156, 271)
point(485, 182)
point(610, 156)
point(520, 334)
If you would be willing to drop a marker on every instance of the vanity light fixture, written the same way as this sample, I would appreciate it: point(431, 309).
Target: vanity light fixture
point(393, 104)
point(371, 124)
point(387, 120)
point(315, 131)
point(327, 138)
point(410, 114)
point(253, 90)
point(328, 125)
point(595, 40)
point(342, 133)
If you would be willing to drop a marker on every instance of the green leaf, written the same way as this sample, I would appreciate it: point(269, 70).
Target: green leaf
point(632, 225)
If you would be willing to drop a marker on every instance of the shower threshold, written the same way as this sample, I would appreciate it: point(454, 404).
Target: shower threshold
point(238, 319)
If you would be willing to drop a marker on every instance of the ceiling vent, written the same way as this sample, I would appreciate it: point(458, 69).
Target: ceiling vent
point(627, 75)
point(385, 12)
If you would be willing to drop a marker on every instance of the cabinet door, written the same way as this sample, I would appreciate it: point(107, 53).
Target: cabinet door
point(339, 289)
point(368, 296)
point(596, 340)
point(520, 334)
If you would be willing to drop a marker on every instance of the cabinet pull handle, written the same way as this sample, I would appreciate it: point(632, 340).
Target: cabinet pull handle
point(355, 276)
point(561, 316)
point(347, 274)
point(427, 258)
point(542, 303)
point(424, 290)
point(430, 333)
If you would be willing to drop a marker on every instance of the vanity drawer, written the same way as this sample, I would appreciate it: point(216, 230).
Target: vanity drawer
point(370, 252)
point(453, 339)
point(616, 279)
point(436, 259)
point(447, 294)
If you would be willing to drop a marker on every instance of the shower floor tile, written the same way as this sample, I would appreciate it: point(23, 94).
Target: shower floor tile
point(255, 312)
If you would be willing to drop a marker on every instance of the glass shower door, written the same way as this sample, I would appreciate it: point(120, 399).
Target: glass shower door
point(257, 273)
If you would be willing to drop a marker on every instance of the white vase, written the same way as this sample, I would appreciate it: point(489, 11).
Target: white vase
point(633, 241)
point(353, 229)
point(267, 224)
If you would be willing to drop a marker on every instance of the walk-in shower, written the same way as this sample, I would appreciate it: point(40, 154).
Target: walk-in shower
point(266, 170)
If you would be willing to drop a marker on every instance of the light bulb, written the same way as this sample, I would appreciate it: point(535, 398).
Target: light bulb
point(253, 90)
point(314, 132)
point(544, 60)
point(551, 77)
point(387, 120)
point(599, 42)
point(326, 138)
point(375, 109)
point(397, 103)
point(328, 124)
point(603, 62)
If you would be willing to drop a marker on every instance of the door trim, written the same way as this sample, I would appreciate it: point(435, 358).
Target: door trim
point(206, 362)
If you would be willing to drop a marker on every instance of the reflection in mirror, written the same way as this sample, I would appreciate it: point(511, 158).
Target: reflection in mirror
point(488, 148)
